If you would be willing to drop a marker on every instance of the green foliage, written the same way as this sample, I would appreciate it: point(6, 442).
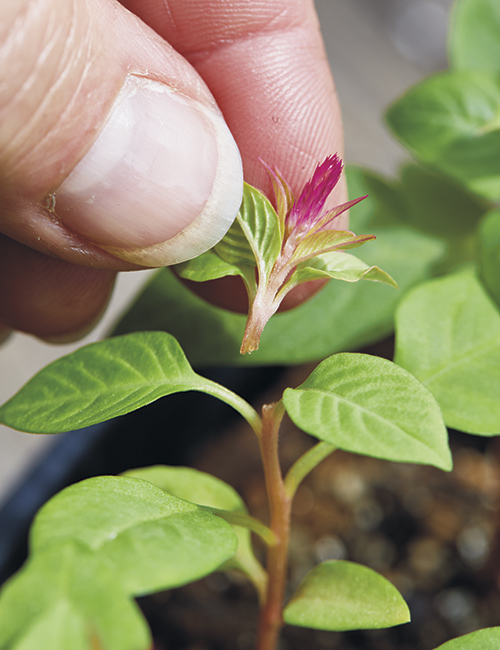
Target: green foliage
point(103, 380)
point(339, 596)
point(339, 266)
point(341, 316)
point(102, 542)
point(94, 546)
point(487, 639)
point(206, 490)
point(368, 405)
point(489, 253)
point(254, 239)
point(67, 597)
point(448, 335)
point(474, 43)
point(451, 122)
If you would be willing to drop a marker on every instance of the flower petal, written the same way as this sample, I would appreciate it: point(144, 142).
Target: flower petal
point(310, 203)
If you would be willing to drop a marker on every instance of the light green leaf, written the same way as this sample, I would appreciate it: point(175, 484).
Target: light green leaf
point(475, 37)
point(368, 405)
point(208, 266)
point(339, 596)
point(451, 121)
point(254, 239)
point(206, 490)
point(487, 639)
point(340, 316)
point(489, 253)
point(328, 239)
point(103, 380)
point(448, 335)
point(339, 266)
point(66, 597)
point(150, 539)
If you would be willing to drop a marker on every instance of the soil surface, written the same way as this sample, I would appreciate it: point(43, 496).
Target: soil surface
point(433, 534)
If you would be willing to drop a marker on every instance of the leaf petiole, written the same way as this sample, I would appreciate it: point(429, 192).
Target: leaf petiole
point(304, 465)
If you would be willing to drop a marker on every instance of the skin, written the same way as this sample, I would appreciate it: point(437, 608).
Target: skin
point(63, 64)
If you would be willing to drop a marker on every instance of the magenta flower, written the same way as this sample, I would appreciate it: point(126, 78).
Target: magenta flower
point(305, 216)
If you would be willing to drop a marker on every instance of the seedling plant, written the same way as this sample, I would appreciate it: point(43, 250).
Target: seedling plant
point(100, 543)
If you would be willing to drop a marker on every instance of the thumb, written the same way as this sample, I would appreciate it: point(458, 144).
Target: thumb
point(113, 152)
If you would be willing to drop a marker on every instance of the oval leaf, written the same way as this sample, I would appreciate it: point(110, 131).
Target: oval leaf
point(452, 122)
point(368, 405)
point(487, 639)
point(448, 335)
point(101, 381)
point(339, 596)
point(150, 539)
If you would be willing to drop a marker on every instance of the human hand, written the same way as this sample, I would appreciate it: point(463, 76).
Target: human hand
point(95, 177)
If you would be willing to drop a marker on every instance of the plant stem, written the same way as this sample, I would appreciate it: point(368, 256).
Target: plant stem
point(271, 616)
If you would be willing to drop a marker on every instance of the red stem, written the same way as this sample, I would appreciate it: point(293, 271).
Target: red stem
point(271, 616)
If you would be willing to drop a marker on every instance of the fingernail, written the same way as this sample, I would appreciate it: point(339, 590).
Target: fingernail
point(161, 184)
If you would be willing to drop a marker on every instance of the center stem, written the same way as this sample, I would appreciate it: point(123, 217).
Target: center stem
point(271, 616)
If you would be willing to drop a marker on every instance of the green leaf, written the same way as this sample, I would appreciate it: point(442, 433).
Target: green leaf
point(191, 485)
point(208, 266)
point(451, 121)
point(206, 490)
point(150, 539)
point(339, 596)
point(448, 335)
point(487, 639)
point(339, 266)
point(475, 37)
point(66, 597)
point(254, 239)
point(103, 380)
point(328, 239)
point(340, 316)
point(368, 405)
point(489, 253)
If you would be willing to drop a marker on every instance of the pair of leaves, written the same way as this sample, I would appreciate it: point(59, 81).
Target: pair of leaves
point(356, 402)
point(448, 336)
point(95, 546)
point(136, 536)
